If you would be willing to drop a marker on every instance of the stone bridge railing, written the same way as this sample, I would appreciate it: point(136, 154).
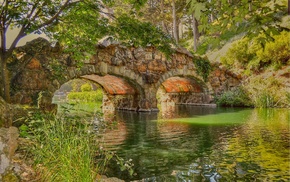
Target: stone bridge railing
point(38, 70)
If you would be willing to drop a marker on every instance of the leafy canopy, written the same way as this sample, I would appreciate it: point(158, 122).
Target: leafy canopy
point(79, 24)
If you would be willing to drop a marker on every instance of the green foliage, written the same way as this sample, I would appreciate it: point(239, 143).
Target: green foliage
point(88, 96)
point(64, 149)
point(24, 131)
point(241, 53)
point(196, 7)
point(57, 69)
point(251, 55)
point(264, 100)
point(222, 20)
point(234, 98)
point(267, 92)
point(203, 67)
point(137, 33)
point(276, 52)
point(86, 87)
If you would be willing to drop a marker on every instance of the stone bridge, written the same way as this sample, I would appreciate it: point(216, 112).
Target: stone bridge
point(130, 77)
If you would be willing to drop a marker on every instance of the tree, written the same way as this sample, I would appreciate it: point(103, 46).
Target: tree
point(195, 9)
point(29, 16)
point(219, 21)
point(75, 24)
point(174, 22)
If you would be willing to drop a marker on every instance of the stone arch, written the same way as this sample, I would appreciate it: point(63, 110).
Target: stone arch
point(99, 68)
point(193, 90)
point(120, 92)
point(183, 73)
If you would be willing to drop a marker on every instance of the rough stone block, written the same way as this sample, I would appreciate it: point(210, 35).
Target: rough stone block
point(72, 73)
point(103, 68)
point(148, 56)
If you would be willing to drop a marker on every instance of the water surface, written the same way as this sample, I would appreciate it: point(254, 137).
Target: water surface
point(192, 143)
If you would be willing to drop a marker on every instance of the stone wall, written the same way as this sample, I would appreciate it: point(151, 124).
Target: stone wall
point(222, 80)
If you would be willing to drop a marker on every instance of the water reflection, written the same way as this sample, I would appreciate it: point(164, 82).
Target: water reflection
point(203, 144)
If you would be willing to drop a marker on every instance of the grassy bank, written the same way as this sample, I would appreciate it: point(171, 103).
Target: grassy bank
point(65, 148)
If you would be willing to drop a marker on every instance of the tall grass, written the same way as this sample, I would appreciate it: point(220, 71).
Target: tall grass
point(65, 149)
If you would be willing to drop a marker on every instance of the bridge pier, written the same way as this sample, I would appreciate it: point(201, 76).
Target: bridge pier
point(148, 102)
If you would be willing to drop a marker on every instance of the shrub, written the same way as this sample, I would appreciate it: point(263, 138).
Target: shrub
point(86, 87)
point(251, 55)
point(92, 96)
point(237, 97)
point(276, 52)
point(267, 92)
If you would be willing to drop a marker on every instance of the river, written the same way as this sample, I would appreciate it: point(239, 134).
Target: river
point(190, 143)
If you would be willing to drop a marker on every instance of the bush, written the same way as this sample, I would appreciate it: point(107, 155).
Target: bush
point(276, 52)
point(234, 98)
point(86, 87)
point(92, 96)
point(267, 92)
point(241, 53)
point(251, 55)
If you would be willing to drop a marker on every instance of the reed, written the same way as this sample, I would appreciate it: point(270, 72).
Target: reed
point(65, 150)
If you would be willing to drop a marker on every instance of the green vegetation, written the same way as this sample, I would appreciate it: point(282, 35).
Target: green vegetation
point(81, 108)
point(267, 92)
point(234, 98)
point(258, 61)
point(254, 55)
point(86, 101)
point(64, 148)
point(203, 67)
point(87, 96)
point(258, 91)
point(86, 87)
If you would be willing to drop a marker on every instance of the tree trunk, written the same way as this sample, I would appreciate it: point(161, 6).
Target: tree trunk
point(5, 87)
point(174, 26)
point(5, 79)
point(195, 32)
point(288, 7)
point(162, 16)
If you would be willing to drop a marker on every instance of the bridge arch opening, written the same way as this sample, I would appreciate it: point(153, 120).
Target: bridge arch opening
point(117, 92)
point(179, 90)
